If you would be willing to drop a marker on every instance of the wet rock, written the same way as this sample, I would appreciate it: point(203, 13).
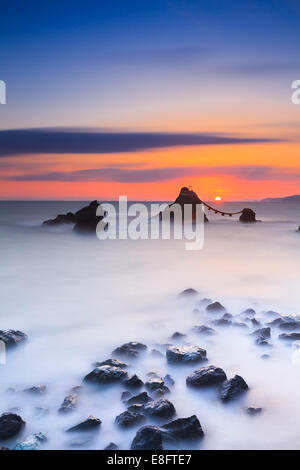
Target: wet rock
point(248, 216)
point(133, 382)
point(215, 307)
point(161, 408)
point(262, 333)
point(12, 338)
point(69, 404)
point(227, 316)
point(111, 362)
point(88, 424)
point(183, 428)
point(253, 410)
point(137, 408)
point(36, 390)
point(131, 349)
point(189, 293)
point(154, 383)
point(185, 354)
point(206, 377)
point(233, 388)
point(147, 438)
point(203, 330)
point(68, 218)
point(10, 425)
point(111, 446)
point(106, 375)
point(169, 380)
point(141, 398)
point(129, 418)
point(290, 336)
point(177, 336)
point(32, 442)
point(125, 396)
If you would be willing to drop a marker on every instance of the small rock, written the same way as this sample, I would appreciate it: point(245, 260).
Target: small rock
point(87, 425)
point(189, 293)
point(222, 322)
point(32, 442)
point(161, 408)
point(185, 354)
point(106, 375)
point(249, 312)
point(41, 412)
point(265, 356)
point(253, 410)
point(132, 349)
point(12, 338)
point(147, 438)
point(141, 398)
point(133, 382)
point(169, 380)
point(248, 216)
point(154, 383)
point(10, 425)
point(177, 336)
point(261, 341)
point(215, 307)
point(36, 390)
point(69, 404)
point(129, 419)
point(203, 330)
point(183, 428)
point(263, 333)
point(111, 446)
point(206, 377)
point(290, 336)
point(111, 362)
point(233, 388)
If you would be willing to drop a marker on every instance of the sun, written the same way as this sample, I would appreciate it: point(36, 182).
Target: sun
point(218, 198)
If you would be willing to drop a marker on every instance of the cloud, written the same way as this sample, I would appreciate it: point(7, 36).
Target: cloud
point(125, 175)
point(65, 141)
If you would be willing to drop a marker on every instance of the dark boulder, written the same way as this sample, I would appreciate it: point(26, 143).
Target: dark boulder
point(129, 418)
point(147, 438)
point(139, 399)
point(206, 377)
point(131, 349)
point(106, 375)
point(183, 428)
point(12, 338)
point(262, 333)
point(161, 408)
point(87, 218)
point(233, 388)
point(133, 382)
point(248, 215)
point(154, 383)
point(88, 424)
point(10, 425)
point(69, 404)
point(215, 307)
point(185, 354)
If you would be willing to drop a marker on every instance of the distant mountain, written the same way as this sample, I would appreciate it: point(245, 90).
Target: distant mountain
point(282, 199)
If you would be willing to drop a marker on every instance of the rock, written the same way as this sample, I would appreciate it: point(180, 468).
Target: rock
point(222, 322)
point(249, 312)
point(88, 424)
point(185, 354)
point(12, 338)
point(169, 380)
point(161, 408)
point(10, 425)
point(189, 293)
point(133, 382)
point(86, 218)
point(290, 336)
point(261, 341)
point(141, 398)
point(125, 396)
point(111, 446)
point(160, 392)
point(253, 410)
point(262, 333)
point(255, 322)
point(206, 377)
point(32, 442)
point(154, 383)
point(203, 303)
point(248, 216)
point(106, 375)
point(272, 314)
point(227, 316)
point(289, 325)
point(156, 353)
point(137, 408)
point(68, 218)
point(129, 419)
point(215, 307)
point(147, 438)
point(131, 349)
point(111, 362)
point(69, 404)
point(265, 356)
point(277, 321)
point(177, 336)
point(233, 388)
point(203, 330)
point(36, 390)
point(183, 428)
point(186, 196)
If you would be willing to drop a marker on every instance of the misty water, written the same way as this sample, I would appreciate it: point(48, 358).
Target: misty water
point(78, 298)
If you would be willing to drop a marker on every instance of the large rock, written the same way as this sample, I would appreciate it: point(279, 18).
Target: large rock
point(10, 425)
point(185, 354)
point(185, 197)
point(206, 377)
point(129, 418)
point(12, 338)
point(183, 428)
point(106, 375)
point(233, 388)
point(88, 424)
point(69, 404)
point(132, 349)
point(161, 408)
point(248, 215)
point(147, 438)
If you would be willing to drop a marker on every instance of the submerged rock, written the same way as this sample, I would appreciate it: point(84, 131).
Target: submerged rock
point(185, 354)
point(169, 380)
point(86, 425)
point(12, 338)
point(215, 307)
point(147, 438)
point(206, 377)
point(290, 325)
point(106, 375)
point(69, 404)
point(189, 293)
point(161, 408)
point(32, 442)
point(131, 349)
point(203, 330)
point(129, 418)
point(10, 425)
point(248, 215)
point(261, 341)
point(177, 336)
point(154, 383)
point(233, 388)
point(253, 410)
point(36, 390)
point(183, 428)
point(141, 398)
point(222, 322)
point(133, 382)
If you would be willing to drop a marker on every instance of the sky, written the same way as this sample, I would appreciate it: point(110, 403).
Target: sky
point(139, 98)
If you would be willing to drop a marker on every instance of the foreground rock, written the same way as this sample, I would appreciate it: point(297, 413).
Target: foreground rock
point(12, 338)
point(131, 349)
point(206, 377)
point(69, 404)
point(233, 388)
point(248, 216)
point(129, 418)
point(162, 408)
point(88, 424)
point(183, 428)
point(10, 425)
point(147, 438)
point(32, 442)
point(106, 375)
point(185, 354)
